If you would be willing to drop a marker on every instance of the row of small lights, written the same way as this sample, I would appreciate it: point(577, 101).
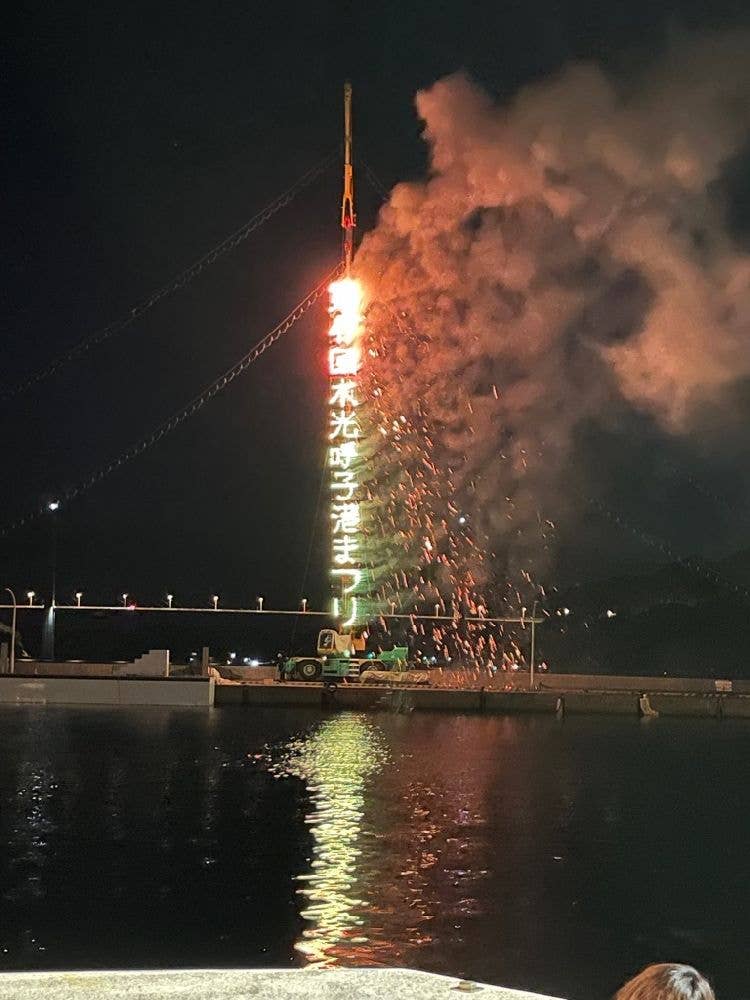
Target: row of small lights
point(31, 594)
point(609, 613)
point(54, 505)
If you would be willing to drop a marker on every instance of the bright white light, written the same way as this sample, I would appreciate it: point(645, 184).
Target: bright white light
point(344, 359)
point(566, 611)
point(352, 618)
point(31, 595)
point(215, 600)
point(53, 505)
point(254, 663)
point(462, 520)
point(611, 614)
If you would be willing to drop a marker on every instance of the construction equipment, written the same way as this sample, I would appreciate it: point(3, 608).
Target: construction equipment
point(340, 657)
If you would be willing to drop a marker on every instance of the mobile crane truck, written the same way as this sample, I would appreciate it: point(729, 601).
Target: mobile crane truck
point(340, 657)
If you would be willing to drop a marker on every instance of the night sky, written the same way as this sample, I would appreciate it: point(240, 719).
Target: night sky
point(137, 136)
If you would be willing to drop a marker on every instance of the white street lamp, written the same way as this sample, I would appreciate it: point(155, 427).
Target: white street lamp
point(79, 595)
point(215, 599)
point(31, 595)
point(304, 604)
point(170, 598)
point(124, 600)
point(260, 604)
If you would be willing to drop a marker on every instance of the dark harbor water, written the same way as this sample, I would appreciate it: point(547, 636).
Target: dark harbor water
point(555, 856)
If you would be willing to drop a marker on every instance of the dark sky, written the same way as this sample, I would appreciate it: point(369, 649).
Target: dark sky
point(136, 137)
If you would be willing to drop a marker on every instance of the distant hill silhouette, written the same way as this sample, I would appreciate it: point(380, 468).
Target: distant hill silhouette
point(677, 620)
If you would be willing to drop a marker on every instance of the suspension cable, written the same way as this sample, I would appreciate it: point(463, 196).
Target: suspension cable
point(180, 281)
point(196, 404)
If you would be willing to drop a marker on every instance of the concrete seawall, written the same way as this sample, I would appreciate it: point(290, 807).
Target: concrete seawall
point(193, 691)
point(363, 698)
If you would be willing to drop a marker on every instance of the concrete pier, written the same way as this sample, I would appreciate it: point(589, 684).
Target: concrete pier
point(361, 697)
point(44, 690)
point(240, 984)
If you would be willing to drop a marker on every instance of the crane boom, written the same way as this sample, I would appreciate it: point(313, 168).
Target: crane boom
point(348, 217)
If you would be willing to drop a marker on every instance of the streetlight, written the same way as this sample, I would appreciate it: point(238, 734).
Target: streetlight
point(304, 605)
point(48, 633)
point(124, 600)
point(170, 598)
point(12, 632)
point(79, 595)
point(215, 599)
point(31, 595)
point(260, 604)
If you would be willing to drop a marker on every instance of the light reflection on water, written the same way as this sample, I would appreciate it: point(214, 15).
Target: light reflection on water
point(425, 838)
point(336, 761)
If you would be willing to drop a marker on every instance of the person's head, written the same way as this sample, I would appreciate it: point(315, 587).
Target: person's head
point(667, 982)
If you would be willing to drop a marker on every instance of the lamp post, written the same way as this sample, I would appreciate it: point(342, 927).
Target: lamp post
point(170, 598)
point(48, 634)
point(12, 632)
point(31, 595)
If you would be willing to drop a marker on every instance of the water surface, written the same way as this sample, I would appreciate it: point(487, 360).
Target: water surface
point(556, 856)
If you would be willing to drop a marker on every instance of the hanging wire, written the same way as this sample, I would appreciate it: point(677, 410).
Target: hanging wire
point(180, 281)
point(196, 404)
point(695, 566)
point(375, 182)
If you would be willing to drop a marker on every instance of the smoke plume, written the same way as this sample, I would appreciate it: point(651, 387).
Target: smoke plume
point(566, 264)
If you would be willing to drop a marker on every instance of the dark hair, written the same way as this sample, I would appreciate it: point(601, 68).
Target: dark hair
point(667, 982)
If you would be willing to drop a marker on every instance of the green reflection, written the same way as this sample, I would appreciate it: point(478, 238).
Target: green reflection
point(335, 761)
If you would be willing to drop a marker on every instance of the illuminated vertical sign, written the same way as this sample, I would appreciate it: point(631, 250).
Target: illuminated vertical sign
point(344, 435)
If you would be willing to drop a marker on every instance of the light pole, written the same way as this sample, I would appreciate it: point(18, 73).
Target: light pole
point(533, 637)
point(12, 632)
point(48, 633)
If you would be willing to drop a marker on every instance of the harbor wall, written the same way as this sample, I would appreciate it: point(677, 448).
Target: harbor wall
point(190, 691)
point(603, 682)
point(365, 698)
